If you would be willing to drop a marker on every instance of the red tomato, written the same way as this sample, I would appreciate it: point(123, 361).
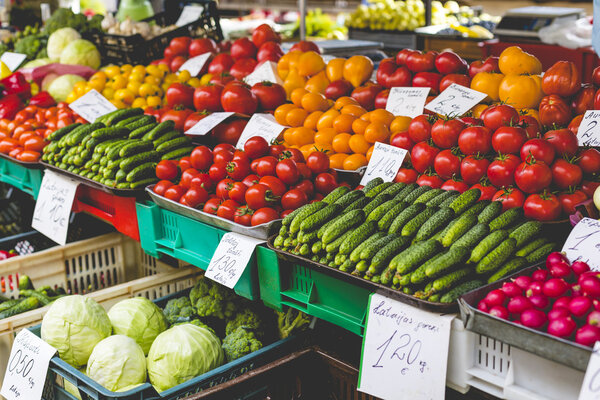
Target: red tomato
point(431, 180)
point(305, 172)
point(195, 196)
point(422, 156)
point(583, 100)
point(229, 132)
point(202, 180)
point(175, 192)
point(417, 61)
point(499, 115)
point(589, 187)
point(178, 116)
point(508, 139)
point(264, 33)
point(222, 156)
point(382, 98)
point(459, 79)
point(7, 145)
point(475, 139)
point(305, 45)
point(184, 163)
point(542, 207)
point(220, 64)
point(276, 150)
point(208, 97)
point(223, 187)
point(533, 176)
point(318, 162)
point(218, 171)
point(243, 48)
point(264, 215)
point(501, 171)
point(243, 67)
point(402, 140)
point(325, 182)
point(419, 128)
point(473, 168)
point(201, 158)
point(278, 188)
point(307, 187)
point(510, 198)
point(406, 175)
point(403, 54)
point(243, 216)
point(566, 174)
point(365, 95)
point(193, 119)
point(167, 170)
point(448, 62)
point(554, 110)
point(180, 94)
point(269, 51)
point(287, 171)
point(212, 205)
point(294, 154)
point(455, 184)
point(266, 166)
point(35, 143)
point(238, 169)
point(180, 45)
point(444, 133)
point(428, 79)
point(259, 196)
point(337, 89)
point(187, 176)
point(176, 63)
point(227, 209)
point(269, 95)
point(14, 153)
point(294, 198)
point(531, 126)
point(202, 46)
point(487, 191)
point(256, 147)
point(589, 161)
point(539, 149)
point(29, 156)
point(239, 98)
point(568, 200)
point(564, 142)
point(489, 65)
point(161, 187)
point(446, 164)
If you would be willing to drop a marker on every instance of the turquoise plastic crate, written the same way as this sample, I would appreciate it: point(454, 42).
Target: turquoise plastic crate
point(305, 288)
point(163, 232)
point(26, 179)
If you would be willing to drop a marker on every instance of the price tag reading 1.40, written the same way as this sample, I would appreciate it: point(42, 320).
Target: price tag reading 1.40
point(405, 351)
point(260, 125)
point(407, 101)
point(27, 367)
point(583, 243)
point(590, 389)
point(92, 105)
point(231, 258)
point(455, 100)
point(385, 162)
point(588, 133)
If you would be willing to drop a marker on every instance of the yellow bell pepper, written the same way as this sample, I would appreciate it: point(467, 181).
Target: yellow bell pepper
point(514, 61)
point(358, 70)
point(521, 91)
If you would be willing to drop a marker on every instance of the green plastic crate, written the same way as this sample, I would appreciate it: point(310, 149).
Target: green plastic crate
point(26, 179)
point(306, 289)
point(163, 232)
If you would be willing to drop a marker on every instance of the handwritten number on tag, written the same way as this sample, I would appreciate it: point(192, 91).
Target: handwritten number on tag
point(21, 365)
point(225, 264)
point(588, 132)
point(403, 341)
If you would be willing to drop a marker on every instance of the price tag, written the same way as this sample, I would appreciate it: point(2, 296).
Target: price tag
point(189, 14)
point(590, 388)
point(207, 123)
point(407, 101)
point(260, 125)
point(231, 258)
point(385, 162)
point(92, 105)
point(195, 64)
point(588, 133)
point(583, 243)
point(27, 367)
point(12, 60)
point(455, 100)
point(267, 71)
point(405, 351)
point(53, 206)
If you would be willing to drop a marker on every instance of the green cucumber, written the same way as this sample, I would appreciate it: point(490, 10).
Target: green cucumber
point(530, 247)
point(465, 200)
point(406, 191)
point(490, 212)
point(507, 219)
point(473, 236)
point(159, 129)
point(429, 195)
point(358, 236)
point(335, 194)
point(305, 212)
point(345, 199)
point(386, 221)
point(405, 216)
point(59, 133)
point(540, 253)
point(131, 162)
point(141, 121)
point(143, 171)
point(355, 254)
point(449, 200)
point(112, 153)
point(342, 225)
point(411, 227)
point(460, 226)
point(508, 268)
point(372, 183)
point(451, 279)
point(103, 134)
point(374, 192)
point(495, 258)
point(335, 245)
point(487, 245)
point(119, 115)
point(357, 204)
point(418, 276)
point(381, 210)
point(320, 217)
point(410, 258)
point(174, 134)
point(447, 262)
point(477, 208)
point(178, 153)
point(452, 295)
point(368, 252)
point(383, 256)
point(440, 219)
point(437, 200)
point(394, 189)
point(415, 194)
point(173, 144)
point(376, 202)
point(524, 233)
point(140, 132)
point(134, 147)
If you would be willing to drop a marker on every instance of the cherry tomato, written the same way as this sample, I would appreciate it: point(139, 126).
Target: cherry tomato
point(202, 180)
point(187, 176)
point(243, 216)
point(305, 172)
point(237, 192)
point(446, 164)
point(275, 150)
point(256, 147)
point(185, 163)
point(201, 158)
point(318, 162)
point(227, 209)
point(222, 156)
point(195, 196)
point(542, 207)
point(276, 185)
point(162, 186)
point(266, 166)
point(264, 215)
point(431, 180)
point(223, 187)
point(293, 154)
point(251, 180)
point(175, 192)
point(406, 175)
point(259, 196)
point(287, 171)
point(238, 169)
point(212, 205)
point(29, 156)
point(218, 171)
point(307, 187)
point(167, 170)
point(35, 143)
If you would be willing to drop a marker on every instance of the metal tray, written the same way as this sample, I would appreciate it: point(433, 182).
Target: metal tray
point(540, 343)
point(138, 193)
point(445, 308)
point(261, 231)
point(30, 165)
point(352, 177)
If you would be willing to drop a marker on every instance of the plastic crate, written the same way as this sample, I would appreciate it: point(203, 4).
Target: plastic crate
point(26, 179)
point(163, 232)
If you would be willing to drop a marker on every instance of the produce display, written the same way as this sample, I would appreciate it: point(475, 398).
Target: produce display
point(29, 298)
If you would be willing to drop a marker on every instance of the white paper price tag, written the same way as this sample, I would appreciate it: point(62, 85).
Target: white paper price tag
point(195, 64)
point(260, 125)
point(407, 101)
point(267, 71)
point(590, 388)
point(204, 126)
point(455, 100)
point(385, 162)
point(53, 206)
point(405, 351)
point(92, 105)
point(12, 60)
point(583, 243)
point(231, 258)
point(27, 367)
point(588, 133)
point(189, 14)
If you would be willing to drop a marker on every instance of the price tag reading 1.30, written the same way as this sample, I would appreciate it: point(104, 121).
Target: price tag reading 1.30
point(27, 367)
point(455, 100)
point(583, 243)
point(92, 105)
point(405, 351)
point(407, 101)
point(588, 133)
point(385, 162)
point(231, 258)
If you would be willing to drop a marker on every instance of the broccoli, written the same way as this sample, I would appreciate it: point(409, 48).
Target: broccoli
point(246, 318)
point(31, 45)
point(213, 300)
point(240, 342)
point(64, 17)
point(197, 322)
point(179, 310)
point(291, 321)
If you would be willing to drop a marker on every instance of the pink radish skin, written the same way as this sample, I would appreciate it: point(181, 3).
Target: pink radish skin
point(590, 285)
point(562, 302)
point(587, 335)
point(499, 311)
point(554, 258)
point(580, 267)
point(580, 305)
point(559, 312)
point(518, 304)
point(593, 318)
point(533, 318)
point(539, 301)
point(555, 287)
point(535, 288)
point(511, 289)
point(483, 306)
point(562, 327)
point(560, 270)
point(576, 290)
point(495, 298)
point(540, 275)
point(523, 282)
point(587, 274)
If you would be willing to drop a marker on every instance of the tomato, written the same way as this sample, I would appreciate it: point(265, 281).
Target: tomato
point(489, 65)
point(269, 51)
point(243, 67)
point(487, 191)
point(421, 62)
point(243, 216)
point(419, 128)
point(202, 46)
point(239, 98)
point(294, 154)
point(180, 94)
point(229, 132)
point(7, 145)
point(184, 163)
point(193, 119)
point(531, 126)
point(499, 115)
point(589, 187)
point(539, 149)
point(589, 161)
point(365, 95)
point(266, 166)
point(222, 156)
point(427, 79)
point(160, 187)
point(422, 156)
point(444, 133)
point(259, 195)
point(406, 175)
point(154, 111)
point(382, 98)
point(294, 198)
point(533, 176)
point(390, 74)
point(287, 171)
point(187, 176)
point(278, 188)
point(264, 215)
point(180, 45)
point(575, 123)
point(202, 180)
point(318, 162)
point(473, 168)
point(178, 116)
point(561, 79)
point(508, 139)
point(269, 95)
point(564, 142)
point(307, 187)
point(251, 180)
point(223, 187)
point(475, 139)
point(568, 200)
point(195, 196)
point(212, 205)
point(403, 54)
point(510, 198)
point(256, 147)
point(28, 156)
point(542, 207)
point(446, 164)
point(227, 209)
point(448, 62)
point(402, 140)
point(220, 64)
point(175, 192)
point(176, 63)
point(201, 158)
point(264, 33)
point(276, 150)
point(501, 171)
point(554, 110)
point(243, 48)
point(431, 180)
point(35, 143)
point(566, 174)
point(325, 182)
point(337, 89)
point(583, 100)
point(208, 97)
point(455, 184)
point(459, 79)
point(217, 171)
point(167, 170)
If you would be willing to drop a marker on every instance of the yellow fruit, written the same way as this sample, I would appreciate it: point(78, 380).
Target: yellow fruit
point(152, 80)
point(140, 69)
point(108, 92)
point(184, 76)
point(148, 89)
point(164, 68)
point(118, 103)
point(155, 71)
point(96, 84)
point(126, 68)
point(139, 102)
point(124, 95)
point(153, 101)
point(194, 82)
point(205, 79)
point(101, 75)
point(112, 70)
point(136, 77)
point(134, 86)
point(72, 97)
point(170, 78)
point(119, 82)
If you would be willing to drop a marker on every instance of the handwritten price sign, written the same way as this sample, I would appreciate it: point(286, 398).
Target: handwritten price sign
point(590, 389)
point(583, 243)
point(267, 71)
point(260, 125)
point(27, 367)
point(189, 14)
point(588, 133)
point(405, 351)
point(195, 64)
point(207, 123)
point(385, 162)
point(407, 101)
point(455, 100)
point(92, 105)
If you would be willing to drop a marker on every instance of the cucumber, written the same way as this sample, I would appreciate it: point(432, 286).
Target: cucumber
point(336, 194)
point(394, 189)
point(320, 217)
point(317, 247)
point(473, 236)
point(113, 151)
point(371, 184)
point(435, 298)
point(406, 215)
point(540, 253)
point(418, 276)
point(368, 252)
point(447, 262)
point(178, 153)
point(345, 199)
point(376, 202)
point(381, 210)
point(126, 121)
point(412, 196)
point(449, 280)
point(490, 212)
point(59, 133)
point(159, 129)
point(305, 212)
point(77, 136)
point(131, 162)
point(449, 200)
point(374, 192)
point(173, 144)
point(460, 226)
point(508, 268)
point(141, 121)
point(383, 256)
point(478, 207)
point(119, 115)
point(412, 226)
point(429, 195)
point(495, 258)
point(103, 134)
point(326, 225)
point(134, 147)
point(287, 220)
point(361, 267)
point(437, 200)
point(342, 225)
point(103, 147)
point(309, 237)
point(506, 219)
point(358, 204)
point(524, 233)
point(452, 295)
point(6, 304)
point(487, 245)
point(530, 247)
point(358, 236)
point(355, 254)
point(465, 200)
point(335, 245)
point(386, 221)
point(174, 134)
point(406, 191)
point(140, 132)
point(347, 266)
point(440, 219)
point(143, 171)
point(27, 304)
point(410, 258)
point(339, 259)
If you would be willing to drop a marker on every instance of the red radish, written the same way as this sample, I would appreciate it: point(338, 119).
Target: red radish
point(596, 303)
point(594, 318)
point(586, 274)
point(554, 258)
point(576, 290)
point(539, 301)
point(533, 318)
point(518, 304)
point(558, 312)
point(562, 302)
point(562, 327)
point(495, 298)
point(580, 305)
point(555, 287)
point(540, 275)
point(523, 282)
point(579, 267)
point(587, 335)
point(590, 285)
point(535, 288)
point(499, 311)
point(483, 306)
point(560, 270)
point(511, 289)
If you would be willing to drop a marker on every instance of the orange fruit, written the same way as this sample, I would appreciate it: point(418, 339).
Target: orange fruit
point(353, 109)
point(340, 143)
point(337, 160)
point(343, 123)
point(281, 112)
point(312, 119)
point(314, 102)
point(326, 120)
point(307, 149)
point(325, 136)
point(296, 117)
point(325, 148)
point(381, 115)
point(355, 161)
point(370, 152)
point(358, 144)
point(309, 63)
point(399, 124)
point(344, 101)
point(296, 96)
point(377, 132)
point(359, 126)
point(366, 116)
point(303, 136)
point(288, 136)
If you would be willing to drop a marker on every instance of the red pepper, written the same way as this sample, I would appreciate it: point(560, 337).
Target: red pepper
point(4, 255)
point(16, 84)
point(10, 106)
point(42, 99)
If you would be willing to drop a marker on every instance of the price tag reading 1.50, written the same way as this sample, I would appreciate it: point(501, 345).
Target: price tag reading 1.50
point(583, 243)
point(385, 162)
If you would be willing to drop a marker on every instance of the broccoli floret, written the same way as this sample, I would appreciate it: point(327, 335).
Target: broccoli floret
point(246, 318)
point(291, 321)
point(179, 310)
point(213, 300)
point(64, 17)
point(30, 45)
point(240, 342)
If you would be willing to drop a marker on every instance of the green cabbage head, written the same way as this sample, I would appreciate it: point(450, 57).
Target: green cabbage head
point(138, 318)
point(74, 325)
point(63, 85)
point(182, 353)
point(117, 363)
point(59, 40)
point(81, 52)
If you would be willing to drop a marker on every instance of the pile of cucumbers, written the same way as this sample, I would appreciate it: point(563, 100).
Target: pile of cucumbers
point(430, 243)
point(29, 298)
point(120, 149)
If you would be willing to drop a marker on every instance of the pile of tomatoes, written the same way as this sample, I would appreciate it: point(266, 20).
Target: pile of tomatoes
point(250, 187)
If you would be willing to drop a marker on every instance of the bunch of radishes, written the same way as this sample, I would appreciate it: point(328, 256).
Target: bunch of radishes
point(563, 300)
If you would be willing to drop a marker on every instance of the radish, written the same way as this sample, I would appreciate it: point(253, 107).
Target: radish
point(539, 301)
point(593, 318)
point(495, 298)
point(499, 311)
point(560, 270)
point(511, 289)
point(518, 304)
point(483, 306)
point(562, 327)
point(540, 275)
point(579, 267)
point(586, 274)
point(576, 290)
point(580, 305)
point(555, 287)
point(562, 302)
point(535, 288)
point(555, 257)
point(590, 285)
point(533, 318)
point(558, 312)
point(523, 282)
point(587, 335)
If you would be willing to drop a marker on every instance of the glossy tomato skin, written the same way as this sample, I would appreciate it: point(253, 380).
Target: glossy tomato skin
point(306, 45)
point(337, 89)
point(161, 187)
point(239, 98)
point(287, 171)
point(531, 126)
point(501, 171)
point(428, 79)
point(589, 187)
point(269, 51)
point(229, 132)
point(212, 205)
point(266, 166)
point(177, 116)
point(508, 139)
point(201, 158)
point(583, 100)
point(243, 48)
point(175, 192)
point(538, 149)
point(459, 79)
point(487, 191)
point(238, 169)
point(187, 176)
point(243, 216)
point(420, 62)
point(202, 180)
point(422, 156)
point(201, 46)
point(259, 196)
point(419, 129)
point(402, 140)
point(220, 64)
point(454, 184)
point(278, 188)
point(264, 33)
point(180, 94)
point(167, 170)
point(589, 161)
point(193, 119)
point(403, 54)
point(542, 207)
point(444, 133)
point(222, 156)
point(223, 187)
point(446, 164)
point(448, 62)
point(307, 187)
point(566, 174)
point(510, 198)
point(269, 95)
point(365, 95)
point(256, 147)
point(568, 200)
point(564, 142)
point(325, 183)
point(475, 139)
point(431, 180)
point(227, 209)
point(533, 176)
point(554, 110)
point(382, 98)
point(318, 162)
point(489, 65)
point(406, 175)
point(264, 215)
point(194, 197)
point(184, 163)
point(499, 115)
point(473, 168)
point(208, 97)
point(218, 171)
point(294, 198)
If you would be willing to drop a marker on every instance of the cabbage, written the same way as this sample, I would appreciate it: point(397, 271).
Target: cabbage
point(37, 63)
point(117, 363)
point(74, 325)
point(59, 40)
point(182, 353)
point(62, 86)
point(81, 52)
point(138, 318)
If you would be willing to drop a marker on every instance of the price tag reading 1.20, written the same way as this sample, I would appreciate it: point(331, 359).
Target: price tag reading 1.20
point(92, 105)
point(455, 100)
point(385, 162)
point(583, 243)
point(407, 101)
point(588, 133)
point(405, 351)
point(231, 258)
point(27, 367)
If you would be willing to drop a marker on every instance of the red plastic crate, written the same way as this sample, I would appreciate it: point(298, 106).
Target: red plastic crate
point(584, 58)
point(116, 210)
